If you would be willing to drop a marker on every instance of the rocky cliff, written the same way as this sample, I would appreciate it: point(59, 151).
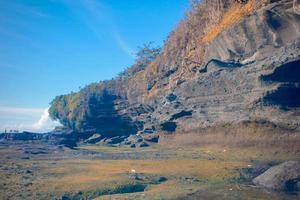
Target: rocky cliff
point(225, 63)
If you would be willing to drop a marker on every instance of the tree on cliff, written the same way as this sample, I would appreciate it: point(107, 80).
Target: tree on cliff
point(144, 56)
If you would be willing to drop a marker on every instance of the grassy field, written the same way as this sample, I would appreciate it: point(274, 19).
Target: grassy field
point(39, 171)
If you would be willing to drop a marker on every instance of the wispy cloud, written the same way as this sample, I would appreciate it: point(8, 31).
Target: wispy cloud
point(14, 20)
point(94, 14)
point(16, 110)
point(123, 44)
point(16, 35)
point(23, 9)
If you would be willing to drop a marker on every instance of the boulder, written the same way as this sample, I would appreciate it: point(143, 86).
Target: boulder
point(94, 139)
point(102, 141)
point(115, 140)
point(283, 177)
point(132, 146)
point(133, 139)
point(151, 138)
point(143, 144)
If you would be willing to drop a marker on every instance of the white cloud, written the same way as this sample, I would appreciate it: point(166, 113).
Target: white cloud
point(26, 119)
point(45, 122)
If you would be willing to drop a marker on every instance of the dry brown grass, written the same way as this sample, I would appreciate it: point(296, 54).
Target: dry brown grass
point(77, 174)
point(87, 175)
point(236, 13)
point(186, 45)
point(249, 140)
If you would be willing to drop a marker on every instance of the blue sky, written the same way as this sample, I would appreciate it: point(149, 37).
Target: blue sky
point(53, 47)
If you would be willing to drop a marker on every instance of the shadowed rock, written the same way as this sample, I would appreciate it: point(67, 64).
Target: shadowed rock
point(181, 114)
point(151, 137)
point(168, 126)
point(147, 178)
point(215, 65)
point(288, 73)
point(285, 96)
point(143, 144)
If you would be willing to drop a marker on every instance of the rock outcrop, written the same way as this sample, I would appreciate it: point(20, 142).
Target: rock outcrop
point(283, 177)
point(247, 70)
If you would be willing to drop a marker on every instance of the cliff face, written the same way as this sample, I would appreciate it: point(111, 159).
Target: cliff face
point(240, 63)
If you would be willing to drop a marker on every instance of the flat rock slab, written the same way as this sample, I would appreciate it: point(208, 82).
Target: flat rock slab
point(94, 139)
point(283, 177)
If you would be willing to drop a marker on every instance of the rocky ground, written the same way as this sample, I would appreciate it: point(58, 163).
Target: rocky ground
point(38, 170)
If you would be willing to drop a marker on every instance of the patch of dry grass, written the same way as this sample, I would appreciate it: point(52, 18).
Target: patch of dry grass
point(77, 174)
point(236, 13)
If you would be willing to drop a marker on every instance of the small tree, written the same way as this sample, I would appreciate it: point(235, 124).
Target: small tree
point(195, 3)
point(144, 56)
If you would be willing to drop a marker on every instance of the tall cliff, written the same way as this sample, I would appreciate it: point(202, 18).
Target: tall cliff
point(227, 61)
